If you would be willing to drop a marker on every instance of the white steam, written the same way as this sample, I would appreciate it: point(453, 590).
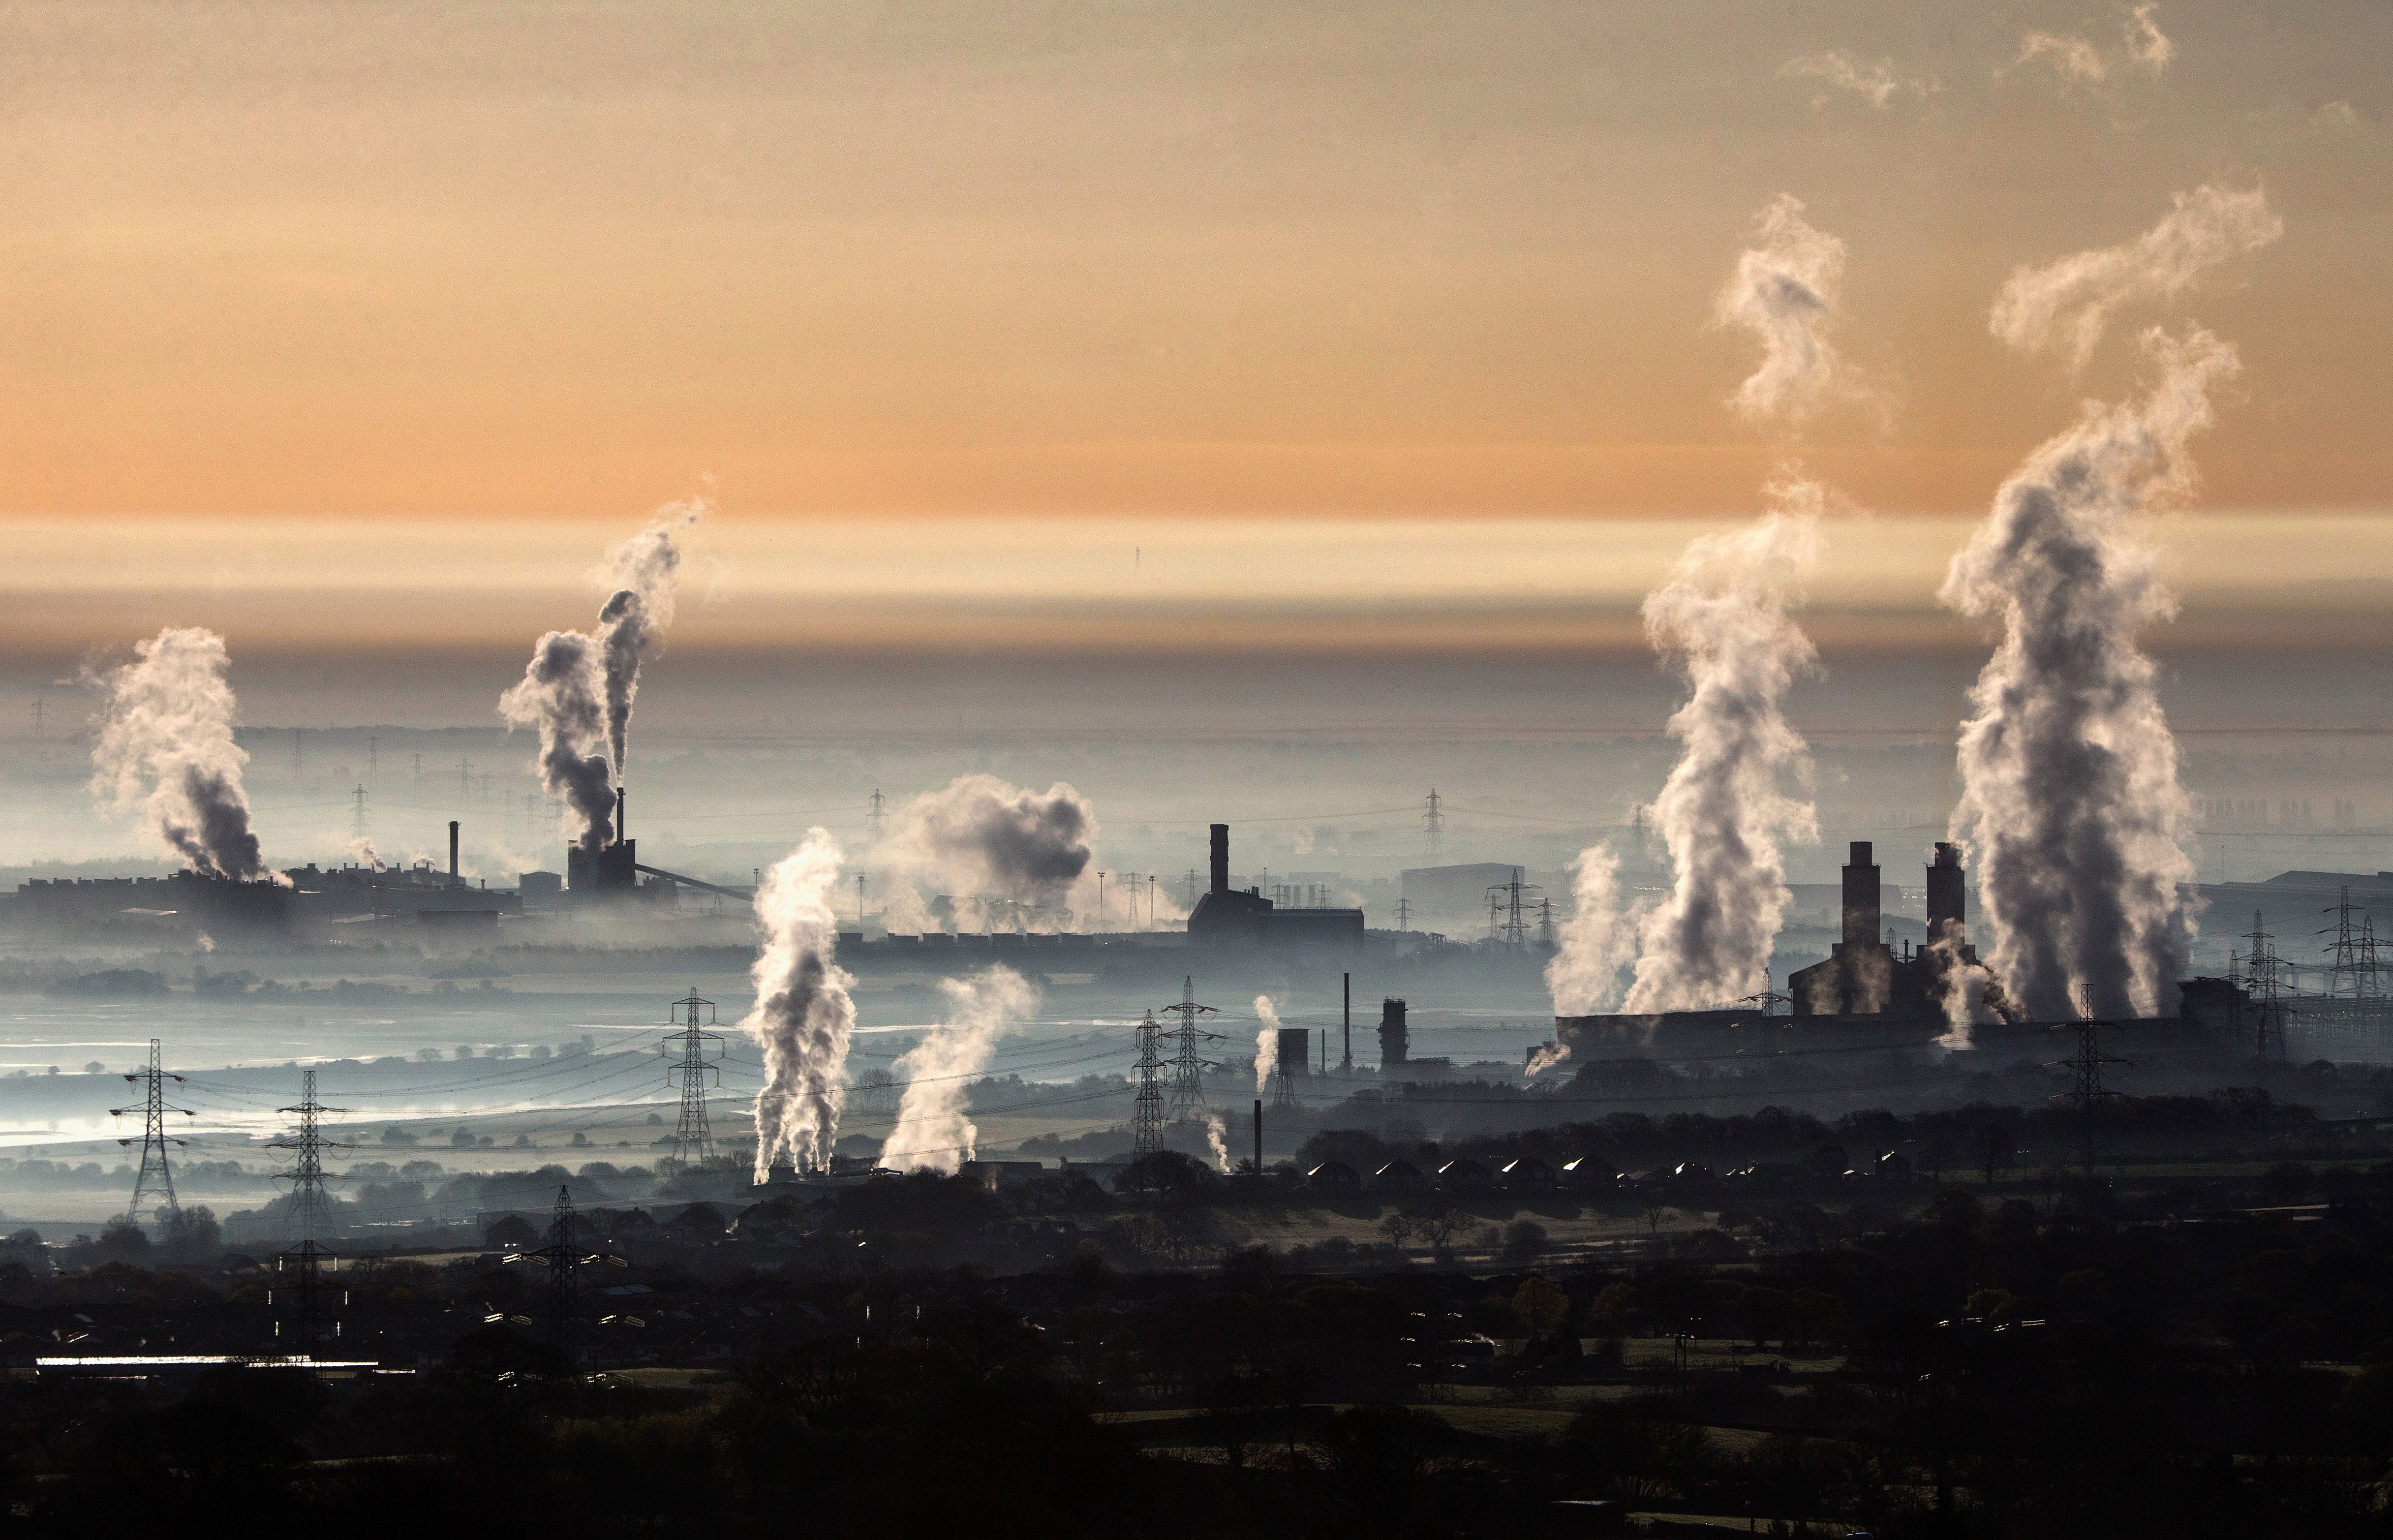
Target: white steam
point(1266, 1042)
point(934, 1132)
point(1545, 1058)
point(1970, 993)
point(165, 744)
point(2067, 306)
point(562, 696)
point(1721, 621)
point(1011, 858)
point(1216, 1128)
point(803, 1015)
point(2070, 796)
point(643, 570)
point(1596, 943)
point(1784, 293)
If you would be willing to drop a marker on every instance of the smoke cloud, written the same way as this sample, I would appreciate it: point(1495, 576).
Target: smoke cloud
point(562, 694)
point(1014, 853)
point(1545, 1058)
point(1784, 293)
point(1596, 943)
point(803, 1015)
point(1971, 996)
point(934, 1132)
point(1266, 1043)
point(165, 744)
point(2068, 304)
point(1721, 621)
point(643, 569)
point(2070, 796)
point(1216, 1126)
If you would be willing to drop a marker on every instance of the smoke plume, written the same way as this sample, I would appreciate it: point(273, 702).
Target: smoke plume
point(2070, 796)
point(1971, 997)
point(1784, 293)
point(1596, 943)
point(803, 1015)
point(643, 569)
point(1216, 1126)
point(166, 743)
point(2068, 304)
point(933, 1131)
point(1721, 621)
point(1266, 1043)
point(1017, 850)
point(562, 694)
point(1545, 1058)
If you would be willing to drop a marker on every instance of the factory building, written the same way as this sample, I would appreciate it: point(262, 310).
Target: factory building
point(1864, 976)
point(1227, 917)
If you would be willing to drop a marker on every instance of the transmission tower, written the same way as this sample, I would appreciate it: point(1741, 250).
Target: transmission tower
point(2348, 970)
point(2368, 975)
point(373, 757)
point(1404, 914)
point(465, 778)
point(1147, 1118)
point(1187, 1067)
point(562, 1259)
point(1546, 925)
point(2260, 968)
point(2088, 1093)
point(311, 1211)
point(873, 819)
point(358, 811)
point(1192, 890)
point(1504, 914)
point(860, 900)
point(154, 1180)
point(693, 1136)
point(1434, 824)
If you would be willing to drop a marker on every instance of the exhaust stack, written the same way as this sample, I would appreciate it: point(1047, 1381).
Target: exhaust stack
point(453, 878)
point(1221, 858)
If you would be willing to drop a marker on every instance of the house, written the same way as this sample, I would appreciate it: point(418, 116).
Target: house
point(1334, 1176)
point(1399, 1176)
point(1529, 1174)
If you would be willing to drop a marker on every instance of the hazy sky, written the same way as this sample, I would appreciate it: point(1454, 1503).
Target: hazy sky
point(293, 287)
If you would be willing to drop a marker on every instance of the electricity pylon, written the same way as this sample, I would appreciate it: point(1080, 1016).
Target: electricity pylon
point(2352, 971)
point(155, 1179)
point(1434, 824)
point(311, 1211)
point(562, 1259)
point(1188, 1068)
point(2087, 1094)
point(693, 1136)
point(1147, 1118)
point(2260, 986)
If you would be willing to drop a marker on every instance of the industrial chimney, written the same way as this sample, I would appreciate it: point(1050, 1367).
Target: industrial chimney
point(1861, 898)
point(1395, 1038)
point(454, 879)
point(1947, 891)
point(1221, 858)
point(618, 815)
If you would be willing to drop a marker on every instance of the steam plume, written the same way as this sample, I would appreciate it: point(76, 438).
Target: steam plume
point(1266, 1043)
point(1784, 292)
point(803, 1015)
point(984, 837)
point(166, 742)
point(644, 570)
point(562, 694)
point(1596, 941)
point(2070, 795)
point(1721, 621)
point(1972, 995)
point(1545, 1058)
point(1216, 1126)
point(933, 1133)
point(2068, 304)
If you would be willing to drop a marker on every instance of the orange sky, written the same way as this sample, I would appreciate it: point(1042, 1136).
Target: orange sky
point(1122, 259)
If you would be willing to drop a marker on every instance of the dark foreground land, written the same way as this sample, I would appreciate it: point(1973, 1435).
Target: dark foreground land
point(2202, 1348)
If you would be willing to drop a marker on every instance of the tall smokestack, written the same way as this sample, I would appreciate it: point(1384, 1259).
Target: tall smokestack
point(1258, 1125)
point(1947, 891)
point(1221, 858)
point(1346, 1016)
point(453, 852)
point(1861, 897)
point(619, 814)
